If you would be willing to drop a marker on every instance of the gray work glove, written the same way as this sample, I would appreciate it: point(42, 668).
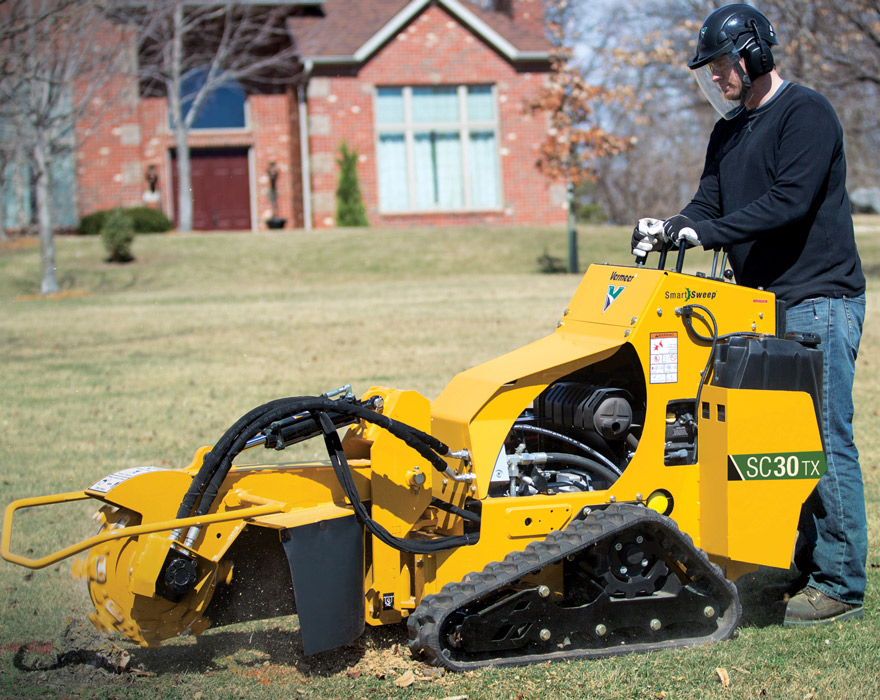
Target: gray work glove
point(647, 237)
point(680, 230)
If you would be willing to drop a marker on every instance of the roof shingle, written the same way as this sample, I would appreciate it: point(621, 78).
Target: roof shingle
point(347, 25)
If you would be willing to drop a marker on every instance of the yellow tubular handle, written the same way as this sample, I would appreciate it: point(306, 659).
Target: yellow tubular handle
point(268, 508)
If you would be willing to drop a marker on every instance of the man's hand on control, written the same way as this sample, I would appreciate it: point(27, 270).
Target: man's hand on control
point(647, 237)
point(680, 230)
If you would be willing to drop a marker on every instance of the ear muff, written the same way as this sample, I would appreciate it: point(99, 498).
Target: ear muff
point(757, 53)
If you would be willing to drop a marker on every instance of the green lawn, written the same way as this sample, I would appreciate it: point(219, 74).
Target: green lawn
point(142, 363)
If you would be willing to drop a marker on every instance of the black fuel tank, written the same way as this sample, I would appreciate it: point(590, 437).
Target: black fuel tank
point(774, 364)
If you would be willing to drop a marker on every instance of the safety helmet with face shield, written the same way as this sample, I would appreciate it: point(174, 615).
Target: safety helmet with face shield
point(731, 33)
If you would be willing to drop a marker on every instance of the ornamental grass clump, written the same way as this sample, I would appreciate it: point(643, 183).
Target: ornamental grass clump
point(117, 235)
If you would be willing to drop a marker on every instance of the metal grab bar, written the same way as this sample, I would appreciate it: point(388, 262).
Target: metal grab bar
point(268, 507)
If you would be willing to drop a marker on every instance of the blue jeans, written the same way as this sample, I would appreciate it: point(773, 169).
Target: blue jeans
point(834, 546)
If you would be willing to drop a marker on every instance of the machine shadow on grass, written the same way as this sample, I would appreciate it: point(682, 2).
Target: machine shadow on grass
point(759, 610)
point(220, 648)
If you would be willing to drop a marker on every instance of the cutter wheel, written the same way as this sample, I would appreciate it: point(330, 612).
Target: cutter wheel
point(145, 620)
point(624, 579)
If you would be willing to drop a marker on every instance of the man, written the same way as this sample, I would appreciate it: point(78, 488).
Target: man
point(773, 192)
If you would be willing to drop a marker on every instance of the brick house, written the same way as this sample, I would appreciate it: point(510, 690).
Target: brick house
point(429, 92)
point(431, 96)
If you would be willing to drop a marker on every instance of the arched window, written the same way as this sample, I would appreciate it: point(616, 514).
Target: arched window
point(223, 108)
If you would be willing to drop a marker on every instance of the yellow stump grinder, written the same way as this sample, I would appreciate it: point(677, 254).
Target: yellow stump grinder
point(592, 493)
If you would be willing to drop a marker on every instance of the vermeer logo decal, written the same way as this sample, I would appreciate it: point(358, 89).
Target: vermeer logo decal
point(611, 296)
point(614, 291)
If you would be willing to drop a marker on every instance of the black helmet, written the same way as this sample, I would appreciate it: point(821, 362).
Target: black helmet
point(740, 29)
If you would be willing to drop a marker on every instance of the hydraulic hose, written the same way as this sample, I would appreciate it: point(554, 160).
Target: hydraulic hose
point(687, 313)
point(455, 510)
point(218, 462)
point(588, 465)
point(527, 427)
point(343, 473)
point(210, 463)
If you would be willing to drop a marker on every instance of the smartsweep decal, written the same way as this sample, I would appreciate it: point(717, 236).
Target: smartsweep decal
point(779, 465)
point(690, 295)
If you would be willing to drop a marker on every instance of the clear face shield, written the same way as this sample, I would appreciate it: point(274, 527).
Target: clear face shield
point(723, 83)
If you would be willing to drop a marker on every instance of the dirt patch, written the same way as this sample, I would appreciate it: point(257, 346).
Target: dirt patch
point(79, 644)
point(83, 658)
point(12, 244)
point(79, 657)
point(67, 294)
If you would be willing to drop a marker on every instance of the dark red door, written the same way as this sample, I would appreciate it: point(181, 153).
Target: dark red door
point(220, 188)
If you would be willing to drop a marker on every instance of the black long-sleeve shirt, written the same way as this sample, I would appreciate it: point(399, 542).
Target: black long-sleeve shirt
point(773, 189)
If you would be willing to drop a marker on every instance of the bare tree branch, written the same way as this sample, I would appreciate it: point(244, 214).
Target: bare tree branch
point(58, 57)
point(12, 24)
point(640, 51)
point(205, 47)
point(834, 47)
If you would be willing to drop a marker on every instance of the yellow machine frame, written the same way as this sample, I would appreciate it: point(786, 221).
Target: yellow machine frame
point(741, 523)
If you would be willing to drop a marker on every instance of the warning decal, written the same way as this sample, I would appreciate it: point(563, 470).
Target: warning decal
point(664, 358)
point(108, 483)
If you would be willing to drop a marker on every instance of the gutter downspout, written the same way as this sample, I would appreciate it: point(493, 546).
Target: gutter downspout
point(304, 155)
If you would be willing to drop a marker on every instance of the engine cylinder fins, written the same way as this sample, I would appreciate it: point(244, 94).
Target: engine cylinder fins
point(145, 620)
point(623, 580)
point(607, 411)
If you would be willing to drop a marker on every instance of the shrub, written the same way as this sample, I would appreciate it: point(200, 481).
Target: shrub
point(551, 265)
point(146, 220)
point(590, 213)
point(117, 235)
point(90, 224)
point(143, 219)
point(349, 202)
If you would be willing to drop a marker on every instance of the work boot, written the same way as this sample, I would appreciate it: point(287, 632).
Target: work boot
point(812, 607)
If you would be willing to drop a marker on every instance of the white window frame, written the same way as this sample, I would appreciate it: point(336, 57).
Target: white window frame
point(462, 126)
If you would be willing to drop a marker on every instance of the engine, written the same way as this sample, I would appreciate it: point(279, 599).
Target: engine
point(579, 434)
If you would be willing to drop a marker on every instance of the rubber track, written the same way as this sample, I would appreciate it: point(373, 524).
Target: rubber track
point(425, 623)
